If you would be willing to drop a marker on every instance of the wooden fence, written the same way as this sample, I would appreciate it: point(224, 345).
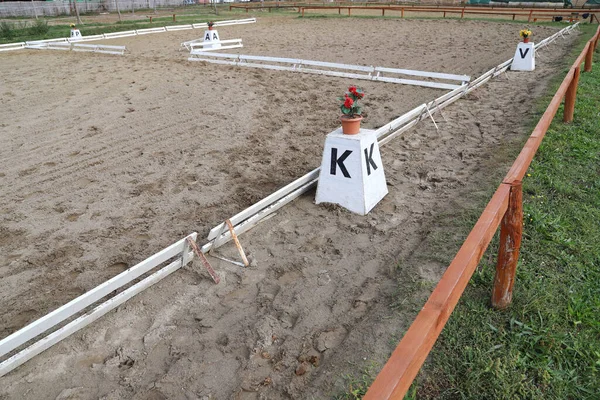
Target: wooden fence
point(505, 209)
point(406, 4)
point(532, 14)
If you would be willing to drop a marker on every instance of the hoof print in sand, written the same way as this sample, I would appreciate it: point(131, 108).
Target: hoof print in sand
point(330, 339)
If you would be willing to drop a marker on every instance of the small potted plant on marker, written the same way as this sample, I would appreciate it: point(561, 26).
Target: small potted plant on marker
point(210, 25)
point(351, 110)
point(525, 33)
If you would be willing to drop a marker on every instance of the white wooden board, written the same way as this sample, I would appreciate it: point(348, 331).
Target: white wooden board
point(297, 65)
point(64, 312)
point(86, 319)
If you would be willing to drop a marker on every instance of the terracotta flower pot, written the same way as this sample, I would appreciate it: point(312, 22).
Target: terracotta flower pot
point(350, 126)
point(526, 40)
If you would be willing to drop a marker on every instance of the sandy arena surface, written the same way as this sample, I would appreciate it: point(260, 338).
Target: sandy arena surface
point(106, 160)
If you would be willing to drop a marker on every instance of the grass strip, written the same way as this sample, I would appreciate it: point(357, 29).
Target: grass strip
point(486, 354)
point(28, 30)
point(547, 344)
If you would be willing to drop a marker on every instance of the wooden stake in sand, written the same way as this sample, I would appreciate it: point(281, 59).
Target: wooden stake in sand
point(237, 243)
point(207, 265)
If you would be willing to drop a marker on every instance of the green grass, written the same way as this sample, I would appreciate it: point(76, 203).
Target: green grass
point(357, 385)
point(542, 347)
point(547, 344)
point(15, 29)
point(21, 30)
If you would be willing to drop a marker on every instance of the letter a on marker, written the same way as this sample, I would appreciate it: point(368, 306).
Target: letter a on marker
point(369, 159)
point(207, 37)
point(523, 54)
point(335, 162)
point(215, 36)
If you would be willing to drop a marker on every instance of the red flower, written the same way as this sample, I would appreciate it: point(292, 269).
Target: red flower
point(348, 103)
point(352, 89)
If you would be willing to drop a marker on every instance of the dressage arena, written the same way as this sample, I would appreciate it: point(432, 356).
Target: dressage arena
point(107, 159)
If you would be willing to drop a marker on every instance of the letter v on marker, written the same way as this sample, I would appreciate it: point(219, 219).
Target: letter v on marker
point(523, 54)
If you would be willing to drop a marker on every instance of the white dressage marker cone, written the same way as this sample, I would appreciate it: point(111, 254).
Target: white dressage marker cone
point(352, 172)
point(211, 35)
point(75, 34)
point(524, 59)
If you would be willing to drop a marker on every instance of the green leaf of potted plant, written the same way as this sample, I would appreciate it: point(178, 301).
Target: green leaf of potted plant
point(351, 111)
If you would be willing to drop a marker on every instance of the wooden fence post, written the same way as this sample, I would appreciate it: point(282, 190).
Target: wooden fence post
point(570, 97)
point(589, 58)
point(510, 243)
point(529, 17)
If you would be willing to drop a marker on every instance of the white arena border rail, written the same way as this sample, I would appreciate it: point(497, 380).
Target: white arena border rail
point(66, 46)
point(180, 250)
point(251, 216)
point(114, 35)
point(225, 44)
point(296, 65)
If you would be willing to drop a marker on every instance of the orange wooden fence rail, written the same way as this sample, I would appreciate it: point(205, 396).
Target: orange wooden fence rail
point(377, 4)
point(506, 209)
point(532, 14)
point(289, 4)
